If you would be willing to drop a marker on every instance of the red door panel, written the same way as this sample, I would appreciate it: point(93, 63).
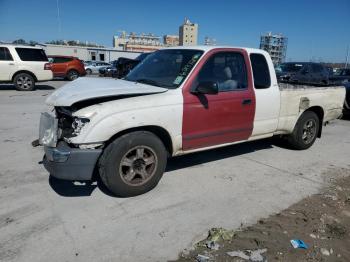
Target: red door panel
point(217, 119)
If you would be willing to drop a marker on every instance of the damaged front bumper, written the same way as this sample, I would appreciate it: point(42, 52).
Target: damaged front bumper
point(75, 164)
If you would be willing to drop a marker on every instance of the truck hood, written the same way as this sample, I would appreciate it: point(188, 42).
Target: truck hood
point(87, 88)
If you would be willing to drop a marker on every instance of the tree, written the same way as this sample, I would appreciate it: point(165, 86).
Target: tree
point(31, 42)
point(19, 42)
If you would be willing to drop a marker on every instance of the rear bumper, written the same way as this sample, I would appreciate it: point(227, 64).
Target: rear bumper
point(44, 75)
point(68, 163)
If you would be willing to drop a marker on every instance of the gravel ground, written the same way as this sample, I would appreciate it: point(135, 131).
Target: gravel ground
point(322, 221)
point(44, 219)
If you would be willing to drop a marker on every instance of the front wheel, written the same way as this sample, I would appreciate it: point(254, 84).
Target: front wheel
point(133, 164)
point(305, 131)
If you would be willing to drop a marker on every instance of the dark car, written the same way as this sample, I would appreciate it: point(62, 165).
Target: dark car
point(340, 76)
point(303, 73)
point(346, 83)
point(110, 71)
point(122, 66)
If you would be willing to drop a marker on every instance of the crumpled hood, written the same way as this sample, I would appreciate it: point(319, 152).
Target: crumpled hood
point(87, 88)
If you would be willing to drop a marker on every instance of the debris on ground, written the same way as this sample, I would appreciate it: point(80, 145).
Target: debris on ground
point(251, 255)
point(297, 243)
point(216, 234)
point(35, 143)
point(212, 245)
point(321, 222)
point(202, 258)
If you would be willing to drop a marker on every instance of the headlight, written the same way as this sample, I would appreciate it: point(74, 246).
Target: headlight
point(48, 130)
point(78, 123)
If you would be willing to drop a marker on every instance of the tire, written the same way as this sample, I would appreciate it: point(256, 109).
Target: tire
point(88, 71)
point(133, 164)
point(305, 131)
point(24, 82)
point(72, 75)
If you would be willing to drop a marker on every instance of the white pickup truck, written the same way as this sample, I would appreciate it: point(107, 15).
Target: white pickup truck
point(177, 101)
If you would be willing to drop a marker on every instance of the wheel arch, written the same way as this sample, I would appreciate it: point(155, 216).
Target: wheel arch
point(160, 132)
point(26, 72)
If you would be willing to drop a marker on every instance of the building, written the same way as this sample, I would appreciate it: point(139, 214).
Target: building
point(137, 43)
point(209, 41)
point(88, 53)
point(188, 33)
point(171, 40)
point(275, 45)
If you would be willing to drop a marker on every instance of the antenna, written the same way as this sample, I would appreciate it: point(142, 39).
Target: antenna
point(59, 20)
point(347, 57)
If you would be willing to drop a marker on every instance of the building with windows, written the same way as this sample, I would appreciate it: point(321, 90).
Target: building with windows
point(137, 42)
point(188, 33)
point(275, 45)
point(171, 40)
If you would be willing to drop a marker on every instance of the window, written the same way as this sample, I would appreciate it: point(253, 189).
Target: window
point(166, 68)
point(31, 54)
point(93, 56)
point(57, 60)
point(5, 54)
point(102, 57)
point(227, 69)
point(261, 71)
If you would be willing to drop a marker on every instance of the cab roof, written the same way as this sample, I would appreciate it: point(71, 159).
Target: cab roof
point(206, 48)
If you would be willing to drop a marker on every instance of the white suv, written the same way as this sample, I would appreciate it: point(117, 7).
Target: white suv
point(23, 66)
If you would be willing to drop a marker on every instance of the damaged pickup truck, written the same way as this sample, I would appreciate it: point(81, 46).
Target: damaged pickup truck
point(176, 101)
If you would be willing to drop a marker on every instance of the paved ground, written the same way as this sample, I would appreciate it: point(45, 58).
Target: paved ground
point(42, 219)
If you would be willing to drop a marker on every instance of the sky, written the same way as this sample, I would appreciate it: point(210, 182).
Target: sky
point(316, 29)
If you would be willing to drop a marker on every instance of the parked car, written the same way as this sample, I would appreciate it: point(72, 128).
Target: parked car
point(303, 73)
point(340, 76)
point(23, 66)
point(93, 67)
point(68, 67)
point(177, 101)
point(110, 71)
point(125, 65)
point(346, 83)
point(121, 67)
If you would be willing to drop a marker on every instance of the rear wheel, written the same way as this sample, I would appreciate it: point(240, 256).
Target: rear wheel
point(133, 164)
point(88, 71)
point(24, 82)
point(72, 75)
point(305, 131)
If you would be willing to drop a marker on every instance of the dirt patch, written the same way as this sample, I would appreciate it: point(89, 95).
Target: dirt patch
point(321, 221)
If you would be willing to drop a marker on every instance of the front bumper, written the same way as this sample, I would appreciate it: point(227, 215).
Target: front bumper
point(68, 163)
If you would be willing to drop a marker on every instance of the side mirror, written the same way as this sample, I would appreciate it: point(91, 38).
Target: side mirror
point(208, 87)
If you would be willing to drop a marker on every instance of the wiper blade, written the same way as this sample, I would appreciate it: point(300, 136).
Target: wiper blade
point(148, 81)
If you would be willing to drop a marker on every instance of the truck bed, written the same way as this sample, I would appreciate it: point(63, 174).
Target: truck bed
point(295, 99)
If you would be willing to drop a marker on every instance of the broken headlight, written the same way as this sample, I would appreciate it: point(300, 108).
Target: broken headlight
point(78, 123)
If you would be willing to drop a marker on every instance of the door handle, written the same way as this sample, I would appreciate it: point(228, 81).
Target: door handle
point(246, 101)
point(11, 64)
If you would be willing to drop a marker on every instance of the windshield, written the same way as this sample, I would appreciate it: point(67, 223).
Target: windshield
point(290, 67)
point(165, 68)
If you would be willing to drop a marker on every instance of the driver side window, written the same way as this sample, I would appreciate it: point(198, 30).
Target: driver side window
point(227, 69)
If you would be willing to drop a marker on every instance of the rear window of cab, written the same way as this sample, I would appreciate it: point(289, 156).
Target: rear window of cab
point(31, 54)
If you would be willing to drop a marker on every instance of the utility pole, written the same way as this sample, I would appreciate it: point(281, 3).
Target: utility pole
point(347, 57)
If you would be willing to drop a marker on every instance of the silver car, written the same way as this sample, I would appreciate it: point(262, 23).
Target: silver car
point(93, 67)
